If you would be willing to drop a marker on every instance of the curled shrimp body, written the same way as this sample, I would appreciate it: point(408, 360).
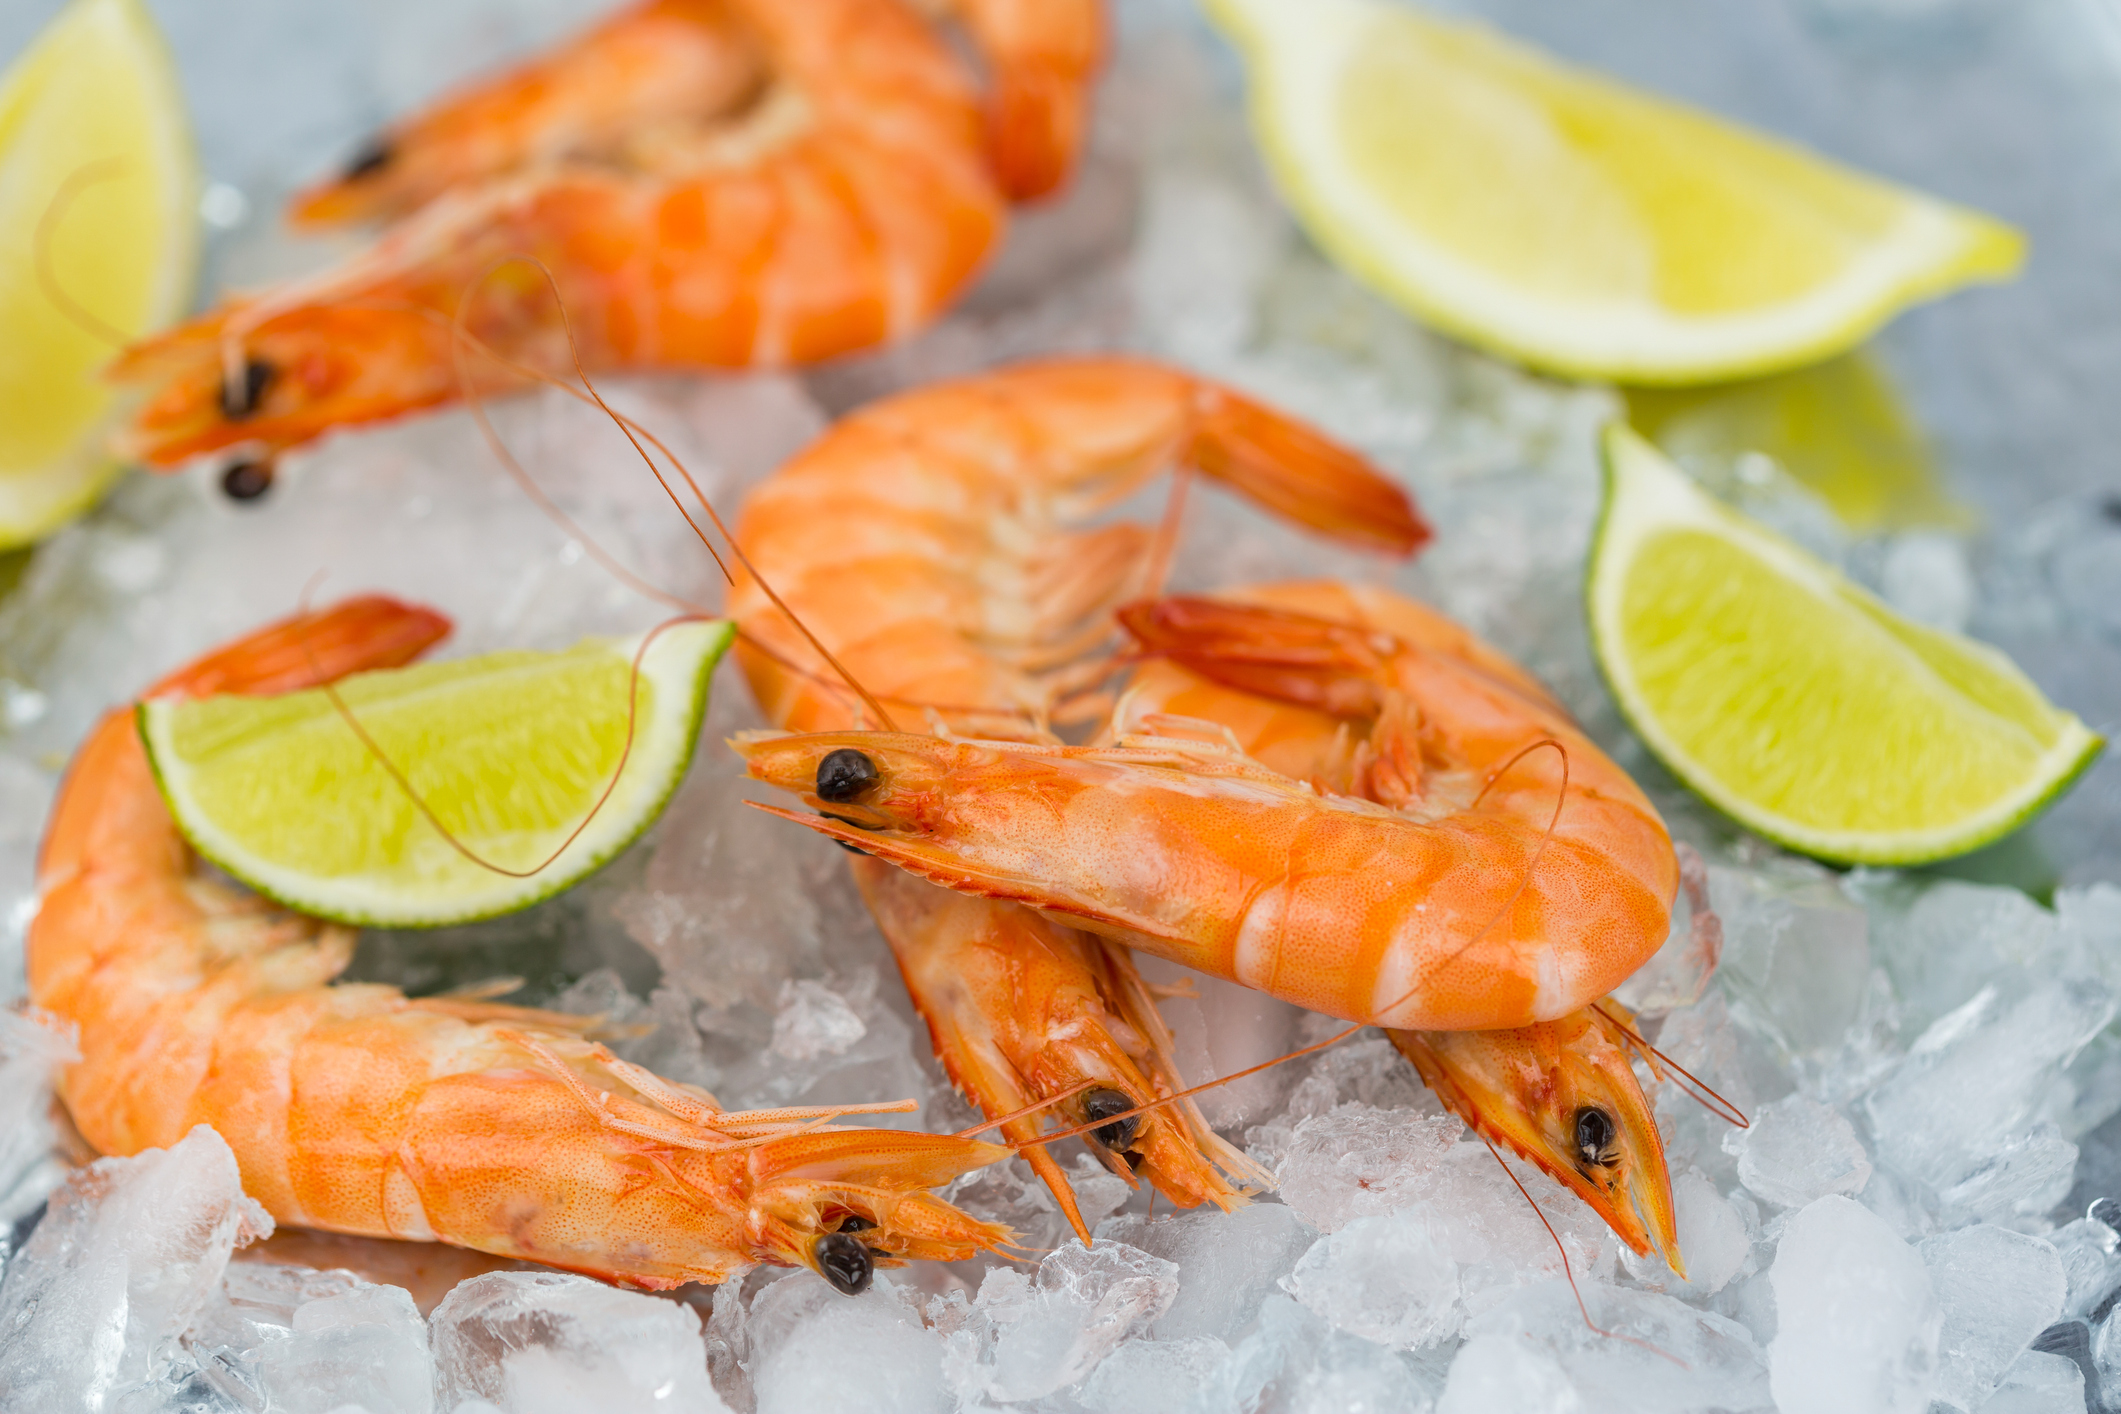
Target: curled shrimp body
point(353, 1108)
point(1562, 1094)
point(940, 545)
point(1511, 875)
point(708, 183)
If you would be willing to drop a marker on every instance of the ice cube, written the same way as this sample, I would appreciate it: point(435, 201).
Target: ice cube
point(814, 1349)
point(366, 1347)
point(1650, 1353)
point(1226, 1262)
point(1025, 1337)
point(1384, 1279)
point(1294, 1363)
point(1220, 1029)
point(1856, 1320)
point(25, 799)
point(1144, 1376)
point(125, 1259)
point(548, 1343)
point(2039, 1383)
point(1356, 1162)
point(1943, 940)
point(1925, 577)
point(1009, 1193)
point(1961, 1111)
point(2091, 1261)
point(1714, 1241)
point(1796, 957)
point(1997, 1290)
point(1798, 1149)
point(813, 1021)
point(1497, 1374)
point(33, 1045)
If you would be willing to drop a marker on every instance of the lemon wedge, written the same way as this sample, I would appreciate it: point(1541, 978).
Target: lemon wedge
point(1572, 223)
point(98, 245)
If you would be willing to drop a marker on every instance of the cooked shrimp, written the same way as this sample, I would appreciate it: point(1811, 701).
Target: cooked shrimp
point(709, 183)
point(1562, 1094)
point(1514, 875)
point(353, 1108)
point(938, 546)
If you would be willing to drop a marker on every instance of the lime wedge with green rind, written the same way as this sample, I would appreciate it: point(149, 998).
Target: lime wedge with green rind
point(510, 751)
point(98, 245)
point(1573, 223)
point(1795, 701)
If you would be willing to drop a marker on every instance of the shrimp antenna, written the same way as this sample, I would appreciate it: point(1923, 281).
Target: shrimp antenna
point(419, 802)
point(88, 174)
point(1699, 1090)
point(1567, 1269)
point(634, 433)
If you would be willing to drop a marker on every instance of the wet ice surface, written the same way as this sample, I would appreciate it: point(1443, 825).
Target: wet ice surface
point(1931, 1062)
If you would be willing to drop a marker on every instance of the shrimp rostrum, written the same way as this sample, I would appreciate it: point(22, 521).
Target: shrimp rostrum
point(1477, 865)
point(356, 1109)
point(705, 183)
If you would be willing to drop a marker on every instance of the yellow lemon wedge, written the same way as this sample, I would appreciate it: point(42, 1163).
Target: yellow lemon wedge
point(1570, 222)
point(1793, 700)
point(98, 245)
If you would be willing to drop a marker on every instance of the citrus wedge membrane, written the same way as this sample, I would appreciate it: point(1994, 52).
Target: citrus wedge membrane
point(510, 751)
point(1570, 222)
point(98, 187)
point(1795, 701)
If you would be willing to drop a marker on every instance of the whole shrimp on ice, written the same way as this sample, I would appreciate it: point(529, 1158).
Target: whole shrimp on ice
point(1502, 872)
point(718, 183)
point(938, 544)
point(353, 1108)
point(1561, 1093)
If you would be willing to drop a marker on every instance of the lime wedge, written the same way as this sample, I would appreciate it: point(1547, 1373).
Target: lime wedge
point(1578, 225)
point(98, 186)
point(1797, 703)
point(510, 751)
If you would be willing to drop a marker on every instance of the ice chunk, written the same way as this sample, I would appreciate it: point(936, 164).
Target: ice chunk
point(1944, 940)
point(1857, 1322)
point(1713, 1238)
point(814, 1021)
point(1226, 1262)
point(1669, 1358)
point(1496, 1374)
point(366, 1347)
point(33, 1045)
point(2091, 1261)
point(25, 799)
point(125, 1259)
point(1025, 1337)
point(1997, 1290)
point(1294, 1363)
point(2039, 1383)
point(1008, 1192)
point(1798, 1149)
point(547, 1343)
point(1384, 1279)
point(814, 1349)
point(1796, 958)
point(1147, 1376)
point(1961, 1113)
point(1356, 1162)
point(1925, 577)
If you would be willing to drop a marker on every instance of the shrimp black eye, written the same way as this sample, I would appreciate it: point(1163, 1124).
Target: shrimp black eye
point(845, 775)
point(1103, 1104)
point(247, 481)
point(374, 156)
point(845, 1262)
point(239, 396)
point(1594, 1134)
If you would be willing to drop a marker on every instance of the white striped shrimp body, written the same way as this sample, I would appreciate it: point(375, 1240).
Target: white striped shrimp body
point(940, 546)
point(1562, 1094)
point(355, 1109)
point(1513, 875)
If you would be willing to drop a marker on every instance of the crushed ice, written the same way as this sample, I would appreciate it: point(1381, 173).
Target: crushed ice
point(1913, 1221)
